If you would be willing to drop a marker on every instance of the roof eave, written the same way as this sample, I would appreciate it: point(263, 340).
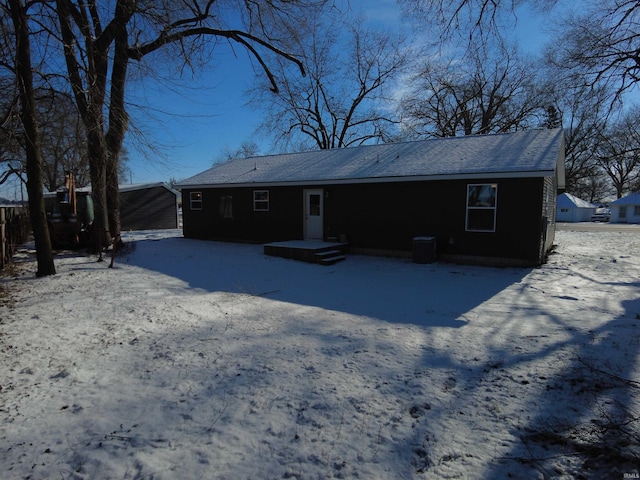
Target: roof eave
point(413, 178)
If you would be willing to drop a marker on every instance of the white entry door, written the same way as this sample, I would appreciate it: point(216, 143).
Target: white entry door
point(313, 210)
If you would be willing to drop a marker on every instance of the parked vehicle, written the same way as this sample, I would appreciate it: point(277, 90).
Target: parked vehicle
point(601, 215)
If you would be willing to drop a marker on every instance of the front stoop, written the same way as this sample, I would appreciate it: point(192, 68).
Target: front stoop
point(322, 253)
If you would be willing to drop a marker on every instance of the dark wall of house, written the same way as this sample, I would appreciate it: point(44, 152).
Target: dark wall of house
point(388, 217)
point(240, 222)
point(148, 209)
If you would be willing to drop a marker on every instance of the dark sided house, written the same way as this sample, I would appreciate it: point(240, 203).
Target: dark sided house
point(487, 199)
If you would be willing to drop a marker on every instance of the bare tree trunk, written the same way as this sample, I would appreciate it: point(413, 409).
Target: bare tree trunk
point(118, 122)
point(98, 172)
point(89, 98)
point(44, 252)
point(97, 53)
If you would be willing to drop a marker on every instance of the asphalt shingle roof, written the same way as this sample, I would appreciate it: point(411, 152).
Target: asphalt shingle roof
point(532, 152)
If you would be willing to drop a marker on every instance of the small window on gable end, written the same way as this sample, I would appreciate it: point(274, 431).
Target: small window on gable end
point(196, 200)
point(261, 200)
point(481, 207)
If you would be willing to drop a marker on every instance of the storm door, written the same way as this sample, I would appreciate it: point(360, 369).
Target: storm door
point(313, 214)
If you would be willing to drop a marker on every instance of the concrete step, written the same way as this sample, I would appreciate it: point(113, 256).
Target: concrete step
point(328, 253)
point(330, 260)
point(307, 251)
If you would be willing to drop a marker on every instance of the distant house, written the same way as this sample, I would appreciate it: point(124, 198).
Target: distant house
point(485, 199)
point(573, 209)
point(626, 209)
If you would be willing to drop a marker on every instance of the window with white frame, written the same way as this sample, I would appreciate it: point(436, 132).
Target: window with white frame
point(481, 207)
point(261, 200)
point(196, 200)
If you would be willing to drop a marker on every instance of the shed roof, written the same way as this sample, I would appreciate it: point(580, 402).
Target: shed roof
point(566, 200)
point(524, 154)
point(127, 187)
point(145, 186)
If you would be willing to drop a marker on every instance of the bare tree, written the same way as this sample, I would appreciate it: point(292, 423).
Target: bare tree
point(11, 153)
point(247, 149)
point(473, 95)
point(28, 116)
point(477, 21)
point(62, 137)
point(100, 40)
point(344, 98)
point(618, 152)
point(583, 111)
point(64, 140)
point(600, 43)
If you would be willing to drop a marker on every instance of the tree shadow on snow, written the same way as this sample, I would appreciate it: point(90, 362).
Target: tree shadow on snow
point(391, 290)
point(588, 421)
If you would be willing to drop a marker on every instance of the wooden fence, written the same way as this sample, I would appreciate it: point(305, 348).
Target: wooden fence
point(14, 230)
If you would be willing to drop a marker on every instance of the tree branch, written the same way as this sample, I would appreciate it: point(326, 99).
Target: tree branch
point(243, 38)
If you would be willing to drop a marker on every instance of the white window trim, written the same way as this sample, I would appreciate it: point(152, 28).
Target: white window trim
point(494, 207)
point(256, 201)
point(193, 202)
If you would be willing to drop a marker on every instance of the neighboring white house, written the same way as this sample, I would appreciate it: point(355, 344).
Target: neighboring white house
point(626, 209)
point(573, 209)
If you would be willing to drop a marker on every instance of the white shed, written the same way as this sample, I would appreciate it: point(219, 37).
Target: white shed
point(573, 209)
point(626, 209)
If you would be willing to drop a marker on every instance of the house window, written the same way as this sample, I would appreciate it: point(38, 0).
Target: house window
point(481, 207)
point(636, 211)
point(623, 212)
point(225, 209)
point(564, 210)
point(261, 200)
point(196, 200)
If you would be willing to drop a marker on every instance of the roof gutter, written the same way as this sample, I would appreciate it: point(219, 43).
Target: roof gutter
point(350, 181)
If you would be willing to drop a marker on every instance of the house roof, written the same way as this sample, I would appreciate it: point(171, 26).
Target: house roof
point(631, 199)
point(524, 154)
point(566, 200)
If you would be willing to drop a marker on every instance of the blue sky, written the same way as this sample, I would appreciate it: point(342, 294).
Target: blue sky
point(212, 113)
point(191, 121)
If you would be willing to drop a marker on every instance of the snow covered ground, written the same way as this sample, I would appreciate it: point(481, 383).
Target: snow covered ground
point(196, 359)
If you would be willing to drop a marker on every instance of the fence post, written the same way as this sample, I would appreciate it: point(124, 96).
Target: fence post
point(3, 237)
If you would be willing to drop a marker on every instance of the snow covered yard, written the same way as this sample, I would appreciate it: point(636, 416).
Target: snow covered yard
point(196, 359)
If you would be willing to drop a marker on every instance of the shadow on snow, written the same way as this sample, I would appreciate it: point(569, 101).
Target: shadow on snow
point(391, 290)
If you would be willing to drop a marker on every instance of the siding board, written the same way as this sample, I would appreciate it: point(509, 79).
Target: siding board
point(148, 209)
